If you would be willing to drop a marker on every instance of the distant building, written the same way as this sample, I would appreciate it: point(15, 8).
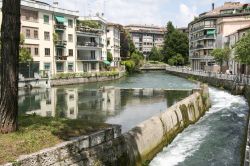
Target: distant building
point(146, 37)
point(232, 39)
point(113, 43)
point(210, 29)
point(183, 30)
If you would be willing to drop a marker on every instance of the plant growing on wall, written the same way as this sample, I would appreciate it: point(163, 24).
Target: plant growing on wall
point(55, 37)
point(109, 57)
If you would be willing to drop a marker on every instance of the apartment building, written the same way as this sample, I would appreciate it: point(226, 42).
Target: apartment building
point(146, 37)
point(49, 34)
point(113, 43)
point(91, 44)
point(210, 29)
point(232, 39)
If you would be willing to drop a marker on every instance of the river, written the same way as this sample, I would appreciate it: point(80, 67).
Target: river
point(215, 140)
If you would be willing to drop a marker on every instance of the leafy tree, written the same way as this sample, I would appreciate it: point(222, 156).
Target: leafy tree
point(130, 66)
point(177, 60)
point(221, 55)
point(127, 45)
point(242, 49)
point(109, 57)
point(24, 54)
point(137, 58)
point(155, 55)
point(175, 42)
point(10, 40)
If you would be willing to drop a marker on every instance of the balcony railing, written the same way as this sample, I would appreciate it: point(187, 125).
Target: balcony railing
point(60, 27)
point(89, 44)
point(61, 43)
point(201, 47)
point(202, 27)
point(61, 58)
point(203, 37)
point(87, 30)
point(88, 58)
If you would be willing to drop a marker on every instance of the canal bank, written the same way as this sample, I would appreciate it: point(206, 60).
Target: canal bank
point(133, 147)
point(234, 85)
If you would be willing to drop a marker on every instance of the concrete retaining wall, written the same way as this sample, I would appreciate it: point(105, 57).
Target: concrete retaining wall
point(72, 81)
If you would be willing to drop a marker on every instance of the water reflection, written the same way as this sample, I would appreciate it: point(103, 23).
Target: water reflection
point(111, 105)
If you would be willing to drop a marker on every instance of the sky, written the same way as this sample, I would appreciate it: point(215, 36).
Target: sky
point(150, 12)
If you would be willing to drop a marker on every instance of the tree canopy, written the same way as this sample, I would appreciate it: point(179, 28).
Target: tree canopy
point(155, 55)
point(127, 45)
point(242, 49)
point(24, 54)
point(221, 55)
point(175, 42)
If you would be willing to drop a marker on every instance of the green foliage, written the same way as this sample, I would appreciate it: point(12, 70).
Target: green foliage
point(89, 23)
point(109, 57)
point(55, 37)
point(24, 54)
point(221, 54)
point(127, 45)
point(175, 42)
point(242, 49)
point(155, 55)
point(177, 60)
point(85, 75)
point(130, 66)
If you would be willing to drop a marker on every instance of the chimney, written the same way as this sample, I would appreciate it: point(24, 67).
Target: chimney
point(212, 6)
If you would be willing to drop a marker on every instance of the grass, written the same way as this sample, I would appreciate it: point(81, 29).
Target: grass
point(37, 133)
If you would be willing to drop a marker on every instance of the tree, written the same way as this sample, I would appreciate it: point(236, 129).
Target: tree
point(242, 49)
point(24, 54)
point(177, 60)
point(10, 39)
point(155, 55)
point(221, 55)
point(175, 42)
point(109, 57)
point(127, 45)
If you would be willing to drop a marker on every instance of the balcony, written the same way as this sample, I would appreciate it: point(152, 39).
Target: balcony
point(60, 43)
point(61, 58)
point(202, 28)
point(203, 37)
point(89, 58)
point(200, 47)
point(89, 45)
point(60, 27)
point(88, 31)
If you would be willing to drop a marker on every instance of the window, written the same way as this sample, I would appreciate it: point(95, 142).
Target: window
point(93, 66)
point(46, 36)
point(59, 67)
point(70, 37)
point(46, 19)
point(70, 52)
point(70, 23)
point(70, 67)
point(36, 34)
point(27, 33)
point(29, 49)
point(92, 55)
point(36, 51)
point(46, 66)
point(47, 51)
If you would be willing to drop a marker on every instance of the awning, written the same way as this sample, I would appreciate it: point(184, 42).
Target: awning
point(60, 19)
point(210, 32)
point(106, 62)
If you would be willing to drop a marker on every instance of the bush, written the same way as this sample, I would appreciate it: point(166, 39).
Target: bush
point(130, 66)
point(85, 75)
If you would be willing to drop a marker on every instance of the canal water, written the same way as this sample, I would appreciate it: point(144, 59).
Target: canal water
point(115, 106)
point(215, 140)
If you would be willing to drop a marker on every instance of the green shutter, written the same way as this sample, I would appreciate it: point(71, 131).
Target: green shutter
point(60, 19)
point(210, 32)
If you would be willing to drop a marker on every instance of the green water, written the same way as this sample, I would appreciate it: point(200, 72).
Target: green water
point(124, 107)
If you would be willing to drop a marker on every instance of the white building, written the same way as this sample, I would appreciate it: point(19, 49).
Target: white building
point(113, 43)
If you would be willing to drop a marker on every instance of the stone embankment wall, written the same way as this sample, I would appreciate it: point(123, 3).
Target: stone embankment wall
point(73, 81)
point(135, 147)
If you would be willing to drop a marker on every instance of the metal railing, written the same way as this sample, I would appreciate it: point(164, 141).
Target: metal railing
point(241, 78)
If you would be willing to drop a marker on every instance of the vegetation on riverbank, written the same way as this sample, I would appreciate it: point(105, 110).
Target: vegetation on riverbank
point(36, 133)
point(85, 75)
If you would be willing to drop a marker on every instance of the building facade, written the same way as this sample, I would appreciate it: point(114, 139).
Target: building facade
point(59, 43)
point(146, 37)
point(210, 29)
point(232, 39)
point(113, 43)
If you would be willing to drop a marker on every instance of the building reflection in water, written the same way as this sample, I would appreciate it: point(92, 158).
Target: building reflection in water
point(126, 107)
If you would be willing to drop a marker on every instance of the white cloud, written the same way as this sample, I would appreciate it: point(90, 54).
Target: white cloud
point(186, 14)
